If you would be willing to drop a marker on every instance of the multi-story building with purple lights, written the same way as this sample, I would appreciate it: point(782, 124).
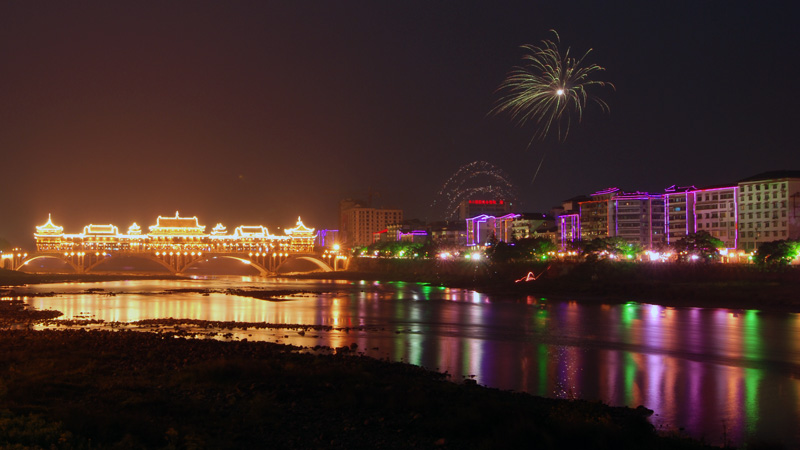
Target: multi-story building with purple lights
point(569, 229)
point(761, 208)
point(640, 218)
point(596, 215)
point(769, 208)
point(480, 229)
point(636, 217)
point(568, 220)
point(679, 212)
point(715, 213)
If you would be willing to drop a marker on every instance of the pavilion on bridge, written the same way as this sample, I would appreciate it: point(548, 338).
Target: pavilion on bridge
point(177, 234)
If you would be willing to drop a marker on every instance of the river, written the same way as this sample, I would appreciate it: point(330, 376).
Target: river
point(716, 374)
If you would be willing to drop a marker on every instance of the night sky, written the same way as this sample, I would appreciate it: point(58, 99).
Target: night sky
point(256, 112)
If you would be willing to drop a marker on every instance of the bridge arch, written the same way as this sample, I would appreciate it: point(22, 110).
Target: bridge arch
point(71, 264)
point(261, 269)
point(145, 256)
point(316, 261)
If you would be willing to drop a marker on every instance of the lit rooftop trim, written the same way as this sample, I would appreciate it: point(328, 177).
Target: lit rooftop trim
point(94, 230)
point(134, 229)
point(219, 229)
point(675, 189)
point(184, 224)
point(610, 190)
point(414, 233)
point(161, 234)
point(251, 231)
point(49, 229)
point(300, 229)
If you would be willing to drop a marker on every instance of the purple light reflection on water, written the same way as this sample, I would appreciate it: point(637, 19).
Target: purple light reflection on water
point(704, 370)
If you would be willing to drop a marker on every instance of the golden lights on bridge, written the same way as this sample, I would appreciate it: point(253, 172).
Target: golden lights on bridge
point(175, 236)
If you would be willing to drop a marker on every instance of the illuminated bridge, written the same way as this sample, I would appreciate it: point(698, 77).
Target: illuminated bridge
point(176, 244)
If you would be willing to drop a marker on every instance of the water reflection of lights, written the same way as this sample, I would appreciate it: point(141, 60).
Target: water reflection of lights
point(694, 366)
point(415, 348)
point(477, 297)
point(335, 312)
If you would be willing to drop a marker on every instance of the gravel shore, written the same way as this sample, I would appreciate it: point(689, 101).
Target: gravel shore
point(79, 389)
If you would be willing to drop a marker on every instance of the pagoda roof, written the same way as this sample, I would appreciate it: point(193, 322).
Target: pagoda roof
point(300, 229)
point(134, 229)
point(219, 229)
point(49, 228)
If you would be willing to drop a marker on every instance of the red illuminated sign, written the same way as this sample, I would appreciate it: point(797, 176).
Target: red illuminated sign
point(486, 202)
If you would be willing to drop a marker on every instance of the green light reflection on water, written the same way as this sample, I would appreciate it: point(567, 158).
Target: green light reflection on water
point(415, 349)
point(630, 377)
point(752, 378)
point(543, 360)
point(426, 291)
point(540, 319)
point(753, 349)
point(628, 313)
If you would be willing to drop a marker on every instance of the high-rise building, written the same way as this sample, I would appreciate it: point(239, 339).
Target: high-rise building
point(358, 222)
point(769, 208)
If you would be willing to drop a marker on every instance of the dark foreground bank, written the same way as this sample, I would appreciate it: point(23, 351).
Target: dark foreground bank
point(102, 389)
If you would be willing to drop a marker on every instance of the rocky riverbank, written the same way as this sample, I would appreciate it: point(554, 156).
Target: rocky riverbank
point(104, 389)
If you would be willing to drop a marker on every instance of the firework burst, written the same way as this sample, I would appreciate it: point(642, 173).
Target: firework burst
point(549, 89)
point(476, 180)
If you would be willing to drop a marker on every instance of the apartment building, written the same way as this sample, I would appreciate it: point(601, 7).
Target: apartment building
point(637, 217)
point(679, 212)
point(640, 218)
point(715, 213)
point(768, 208)
point(358, 222)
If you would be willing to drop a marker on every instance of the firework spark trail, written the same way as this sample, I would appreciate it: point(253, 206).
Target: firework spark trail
point(473, 180)
point(549, 89)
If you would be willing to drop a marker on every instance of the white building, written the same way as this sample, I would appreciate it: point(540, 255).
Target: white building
point(769, 208)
